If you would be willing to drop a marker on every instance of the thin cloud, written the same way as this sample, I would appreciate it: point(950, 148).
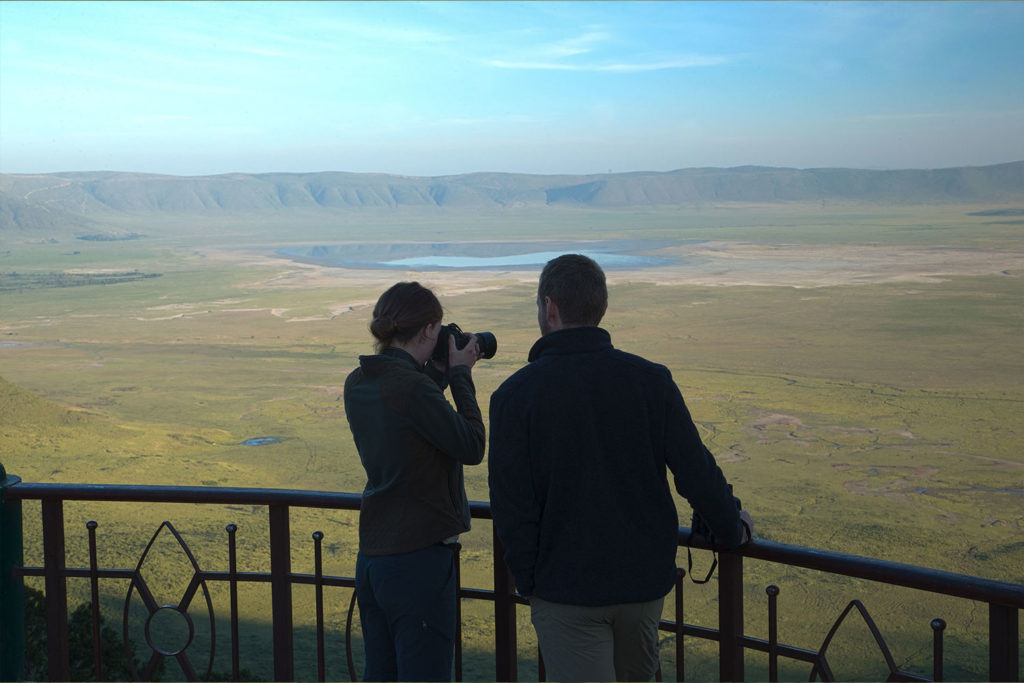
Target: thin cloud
point(504, 119)
point(392, 35)
point(912, 116)
point(570, 47)
point(918, 116)
point(603, 51)
point(682, 63)
point(160, 118)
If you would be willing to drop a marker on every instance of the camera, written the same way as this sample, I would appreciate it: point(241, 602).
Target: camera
point(485, 341)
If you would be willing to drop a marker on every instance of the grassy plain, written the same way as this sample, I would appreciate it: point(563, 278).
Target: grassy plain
point(857, 370)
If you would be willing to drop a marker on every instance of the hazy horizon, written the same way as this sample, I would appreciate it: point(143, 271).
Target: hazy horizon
point(443, 88)
point(491, 171)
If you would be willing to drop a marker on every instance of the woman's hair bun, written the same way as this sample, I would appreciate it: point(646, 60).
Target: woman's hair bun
point(383, 327)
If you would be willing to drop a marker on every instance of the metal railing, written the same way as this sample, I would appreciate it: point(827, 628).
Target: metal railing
point(1003, 599)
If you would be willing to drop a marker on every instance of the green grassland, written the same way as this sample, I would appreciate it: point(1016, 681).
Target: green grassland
point(882, 419)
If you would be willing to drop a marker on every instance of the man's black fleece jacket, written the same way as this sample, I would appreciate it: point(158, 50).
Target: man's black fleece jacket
point(580, 441)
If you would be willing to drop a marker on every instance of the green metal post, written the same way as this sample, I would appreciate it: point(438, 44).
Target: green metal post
point(12, 588)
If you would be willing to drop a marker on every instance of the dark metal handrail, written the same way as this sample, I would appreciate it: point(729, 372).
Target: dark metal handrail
point(1004, 599)
point(855, 566)
point(207, 495)
point(891, 573)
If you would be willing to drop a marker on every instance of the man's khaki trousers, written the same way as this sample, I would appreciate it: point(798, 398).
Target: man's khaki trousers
point(606, 643)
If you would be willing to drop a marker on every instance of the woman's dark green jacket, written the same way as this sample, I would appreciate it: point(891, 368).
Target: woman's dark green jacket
point(413, 445)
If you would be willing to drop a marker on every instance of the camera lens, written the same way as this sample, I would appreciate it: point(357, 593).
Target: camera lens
point(487, 344)
point(485, 341)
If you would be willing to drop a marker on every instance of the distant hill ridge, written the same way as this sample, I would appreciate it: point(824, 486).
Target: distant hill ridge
point(53, 199)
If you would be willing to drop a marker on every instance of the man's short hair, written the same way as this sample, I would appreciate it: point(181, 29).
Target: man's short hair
point(577, 286)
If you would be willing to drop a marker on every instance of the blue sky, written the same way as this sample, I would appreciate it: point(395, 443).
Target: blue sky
point(441, 88)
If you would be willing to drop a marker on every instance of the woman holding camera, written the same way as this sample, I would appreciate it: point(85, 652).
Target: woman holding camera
point(412, 444)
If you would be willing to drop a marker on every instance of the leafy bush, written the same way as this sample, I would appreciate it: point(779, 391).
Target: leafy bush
point(80, 656)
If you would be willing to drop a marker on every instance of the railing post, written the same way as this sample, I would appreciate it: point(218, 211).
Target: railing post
point(1003, 643)
point(12, 588)
point(938, 626)
point(505, 646)
point(458, 612)
point(730, 617)
point(318, 575)
point(773, 632)
point(281, 592)
point(56, 591)
point(680, 624)
point(94, 585)
point(232, 529)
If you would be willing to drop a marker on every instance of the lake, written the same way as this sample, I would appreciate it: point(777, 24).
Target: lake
point(610, 254)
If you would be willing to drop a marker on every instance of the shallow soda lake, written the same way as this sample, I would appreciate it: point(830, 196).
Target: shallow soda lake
point(610, 254)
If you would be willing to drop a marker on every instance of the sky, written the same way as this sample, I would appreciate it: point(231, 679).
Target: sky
point(440, 88)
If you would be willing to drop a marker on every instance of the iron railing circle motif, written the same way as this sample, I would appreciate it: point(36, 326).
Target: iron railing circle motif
point(197, 585)
point(188, 622)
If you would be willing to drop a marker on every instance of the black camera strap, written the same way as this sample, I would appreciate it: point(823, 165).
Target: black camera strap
point(689, 559)
point(714, 555)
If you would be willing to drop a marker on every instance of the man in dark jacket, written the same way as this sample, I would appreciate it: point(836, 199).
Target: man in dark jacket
point(580, 439)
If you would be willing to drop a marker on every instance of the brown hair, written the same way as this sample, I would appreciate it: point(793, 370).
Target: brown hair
point(401, 312)
point(577, 286)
